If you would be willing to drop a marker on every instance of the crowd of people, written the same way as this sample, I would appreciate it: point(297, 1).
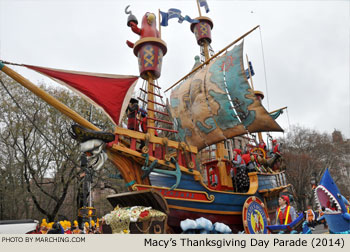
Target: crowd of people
point(66, 227)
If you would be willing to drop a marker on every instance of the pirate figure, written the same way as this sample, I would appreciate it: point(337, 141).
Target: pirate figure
point(132, 111)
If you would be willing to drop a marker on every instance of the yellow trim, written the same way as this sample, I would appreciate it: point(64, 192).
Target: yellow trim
point(253, 188)
point(286, 221)
point(260, 149)
point(205, 210)
point(210, 198)
point(203, 18)
point(256, 92)
point(276, 189)
point(279, 211)
point(152, 40)
point(153, 139)
point(271, 174)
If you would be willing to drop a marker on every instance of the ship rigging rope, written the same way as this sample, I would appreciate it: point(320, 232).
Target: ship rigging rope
point(10, 63)
point(263, 56)
point(38, 129)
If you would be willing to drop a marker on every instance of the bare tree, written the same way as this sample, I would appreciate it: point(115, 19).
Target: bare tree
point(307, 154)
point(39, 166)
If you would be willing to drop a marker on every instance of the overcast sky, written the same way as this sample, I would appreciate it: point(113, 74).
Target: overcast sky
point(305, 44)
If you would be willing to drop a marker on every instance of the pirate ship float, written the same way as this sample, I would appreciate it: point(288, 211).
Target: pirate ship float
point(209, 106)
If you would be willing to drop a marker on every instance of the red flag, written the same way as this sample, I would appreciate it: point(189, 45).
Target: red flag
point(110, 92)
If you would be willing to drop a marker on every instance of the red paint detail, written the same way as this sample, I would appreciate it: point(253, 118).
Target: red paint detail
point(215, 172)
point(145, 66)
point(227, 64)
point(148, 30)
point(116, 139)
point(245, 210)
point(199, 33)
point(150, 149)
point(102, 90)
point(174, 194)
point(158, 152)
point(133, 144)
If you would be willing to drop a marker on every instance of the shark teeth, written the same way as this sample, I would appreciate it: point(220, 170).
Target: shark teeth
point(331, 199)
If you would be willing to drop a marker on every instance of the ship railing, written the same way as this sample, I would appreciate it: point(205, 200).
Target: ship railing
point(272, 183)
point(160, 148)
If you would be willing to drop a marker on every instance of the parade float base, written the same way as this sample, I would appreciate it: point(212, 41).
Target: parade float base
point(143, 212)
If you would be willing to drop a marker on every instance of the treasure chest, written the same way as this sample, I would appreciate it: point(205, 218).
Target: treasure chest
point(143, 212)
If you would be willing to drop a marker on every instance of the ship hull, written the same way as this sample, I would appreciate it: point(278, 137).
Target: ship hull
point(192, 199)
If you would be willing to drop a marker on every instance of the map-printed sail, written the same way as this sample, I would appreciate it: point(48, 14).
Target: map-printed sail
point(217, 102)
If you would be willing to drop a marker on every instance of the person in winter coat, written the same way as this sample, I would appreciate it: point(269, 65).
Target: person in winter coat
point(310, 217)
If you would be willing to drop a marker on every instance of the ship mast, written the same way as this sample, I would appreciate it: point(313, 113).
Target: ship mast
point(202, 31)
point(150, 51)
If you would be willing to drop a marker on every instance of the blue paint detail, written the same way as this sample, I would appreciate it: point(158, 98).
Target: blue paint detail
point(222, 202)
point(306, 229)
point(337, 223)
point(237, 84)
point(211, 124)
point(226, 118)
point(345, 232)
point(182, 133)
point(174, 102)
point(1, 65)
point(266, 182)
point(276, 114)
point(290, 226)
point(176, 173)
point(148, 169)
point(254, 213)
point(130, 183)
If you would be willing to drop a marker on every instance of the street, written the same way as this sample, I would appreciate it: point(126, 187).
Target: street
point(319, 229)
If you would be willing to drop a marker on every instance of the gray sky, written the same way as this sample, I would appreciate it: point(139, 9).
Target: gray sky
point(305, 43)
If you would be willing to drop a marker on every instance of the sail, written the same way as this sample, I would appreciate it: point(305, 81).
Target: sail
point(109, 92)
point(276, 114)
point(217, 103)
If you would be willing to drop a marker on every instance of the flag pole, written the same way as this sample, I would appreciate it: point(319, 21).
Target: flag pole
point(160, 31)
point(213, 57)
point(199, 8)
point(277, 110)
point(250, 73)
point(48, 98)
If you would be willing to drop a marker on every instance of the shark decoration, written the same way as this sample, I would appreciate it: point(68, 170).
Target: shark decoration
point(333, 204)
